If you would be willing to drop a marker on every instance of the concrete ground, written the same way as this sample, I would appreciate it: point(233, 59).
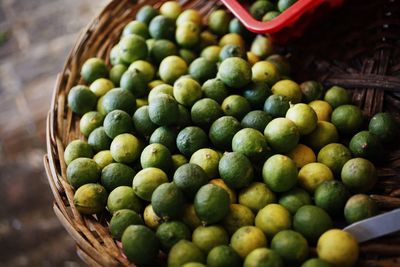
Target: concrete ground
point(35, 38)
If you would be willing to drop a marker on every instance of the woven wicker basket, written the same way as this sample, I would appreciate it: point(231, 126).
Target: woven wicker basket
point(358, 48)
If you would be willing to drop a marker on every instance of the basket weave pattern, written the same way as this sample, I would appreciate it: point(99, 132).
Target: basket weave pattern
point(367, 62)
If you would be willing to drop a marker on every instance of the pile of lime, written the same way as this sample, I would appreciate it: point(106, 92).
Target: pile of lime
point(200, 145)
point(265, 10)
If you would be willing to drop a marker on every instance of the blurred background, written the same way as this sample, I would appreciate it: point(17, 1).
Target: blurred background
point(35, 39)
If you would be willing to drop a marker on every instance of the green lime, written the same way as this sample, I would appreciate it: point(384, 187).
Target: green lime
point(156, 155)
point(291, 246)
point(272, 219)
point(185, 252)
point(103, 158)
point(235, 26)
point(77, 149)
point(359, 207)
point(276, 105)
point(311, 221)
point(187, 91)
point(162, 49)
point(337, 96)
point(189, 178)
point(359, 175)
point(133, 47)
point(237, 217)
point(116, 73)
point(140, 244)
point(218, 22)
point(235, 72)
point(205, 111)
point(90, 198)
point(315, 262)
point(365, 144)
point(236, 106)
point(81, 99)
point(208, 160)
point(188, 55)
point(313, 174)
point(334, 156)
point(348, 119)
point(211, 203)
point(189, 15)
point(144, 68)
point(236, 169)
point(99, 140)
point(280, 173)
point(82, 171)
point(246, 239)
point(256, 196)
point(259, 8)
point(117, 122)
point(170, 233)
point(270, 15)
point(168, 74)
point(150, 218)
point(211, 53)
point(123, 197)
point(147, 180)
point(384, 126)
point(304, 117)
point(116, 174)
point(165, 136)
point(162, 27)
point(288, 88)
point(215, 89)
point(325, 133)
point(93, 69)
point(231, 50)
point(121, 220)
point(265, 71)
point(262, 46)
point(115, 56)
point(256, 93)
point(191, 139)
point(282, 135)
point(142, 122)
point(136, 27)
point(222, 131)
point(163, 110)
point(256, 119)
point(146, 13)
point(263, 257)
point(187, 34)
point(285, 4)
point(160, 89)
point(184, 117)
point(101, 86)
point(202, 69)
point(223, 256)
point(208, 237)
point(125, 148)
point(294, 199)
point(312, 90)
point(250, 142)
point(232, 194)
point(171, 9)
point(331, 196)
point(167, 201)
point(119, 98)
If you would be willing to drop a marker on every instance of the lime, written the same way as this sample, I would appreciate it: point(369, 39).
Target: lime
point(93, 69)
point(237, 217)
point(291, 246)
point(133, 47)
point(236, 169)
point(322, 108)
point(184, 117)
point(155, 83)
point(208, 160)
point(90, 198)
point(189, 15)
point(140, 244)
point(136, 27)
point(123, 197)
point(101, 86)
point(167, 201)
point(121, 99)
point(256, 119)
point(235, 26)
point(282, 135)
point(116, 73)
point(162, 27)
point(162, 49)
point(170, 233)
point(223, 256)
point(256, 196)
point(338, 248)
point(218, 22)
point(189, 217)
point(294, 199)
point(315, 262)
point(232, 39)
point(191, 139)
point(251, 143)
point(115, 57)
point(146, 13)
point(276, 105)
point(117, 122)
point(365, 144)
point(121, 220)
point(231, 50)
point(272, 219)
point(171, 9)
point(334, 156)
point(302, 155)
point(259, 8)
point(280, 173)
point(208, 237)
point(116, 174)
point(359, 207)
point(384, 126)
point(77, 149)
point(203, 69)
point(235, 72)
point(206, 39)
point(194, 264)
point(288, 88)
point(211, 53)
point(156, 155)
point(270, 15)
point(265, 71)
point(140, 102)
point(166, 136)
point(142, 122)
point(304, 117)
point(187, 91)
point(189, 178)
point(146, 181)
point(313, 174)
point(150, 218)
point(144, 68)
point(312, 90)
point(187, 34)
point(163, 110)
point(125, 148)
point(252, 58)
point(99, 140)
point(236, 106)
point(263, 257)
point(211, 203)
point(185, 252)
point(222, 131)
point(348, 119)
point(262, 46)
point(256, 93)
point(168, 74)
point(337, 96)
point(246, 239)
point(331, 196)
point(205, 111)
point(219, 182)
point(82, 171)
point(103, 158)
point(188, 55)
point(359, 175)
point(325, 133)
point(160, 89)
point(81, 99)
point(285, 4)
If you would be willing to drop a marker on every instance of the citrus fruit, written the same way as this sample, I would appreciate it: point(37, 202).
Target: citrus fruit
point(291, 246)
point(142, 121)
point(302, 155)
point(121, 99)
point(147, 180)
point(93, 69)
point(159, 90)
point(171, 9)
point(334, 156)
point(238, 216)
point(145, 68)
point(294, 199)
point(77, 149)
point(384, 126)
point(101, 86)
point(246, 239)
point(191, 139)
point(189, 15)
point(281, 62)
point(235, 26)
point(235, 72)
point(150, 218)
point(99, 140)
point(166, 136)
point(223, 256)
point(256, 196)
point(168, 74)
point(82, 171)
point(187, 91)
point(163, 110)
point(315, 262)
point(116, 174)
point(236, 106)
point(211, 203)
point(162, 27)
point(265, 71)
point(365, 144)
point(178, 160)
point(256, 119)
point(325, 133)
point(187, 34)
point(337, 96)
point(170, 233)
point(338, 248)
point(146, 13)
point(205, 111)
point(103, 158)
point(348, 119)
point(167, 201)
point(156, 155)
point(322, 108)
point(252, 58)
point(189, 178)
point(312, 90)
point(359, 207)
point(215, 89)
point(208, 237)
point(256, 93)
point(359, 175)
point(231, 50)
point(251, 143)
point(208, 160)
point(304, 117)
point(117, 122)
point(282, 135)
point(331, 196)
point(81, 99)
point(279, 173)
point(272, 219)
point(136, 27)
point(123, 197)
point(203, 69)
point(232, 38)
point(189, 217)
point(125, 148)
point(162, 49)
point(222, 132)
point(218, 22)
point(184, 252)
point(116, 73)
point(133, 47)
point(90, 198)
point(289, 89)
point(235, 169)
point(211, 53)
point(263, 257)
point(188, 55)
point(276, 105)
point(259, 8)
point(313, 174)
point(262, 46)
point(121, 220)
point(90, 121)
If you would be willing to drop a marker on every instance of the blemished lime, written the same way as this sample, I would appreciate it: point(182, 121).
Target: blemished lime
point(246, 239)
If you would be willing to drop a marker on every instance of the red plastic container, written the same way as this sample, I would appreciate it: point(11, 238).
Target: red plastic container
point(290, 23)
